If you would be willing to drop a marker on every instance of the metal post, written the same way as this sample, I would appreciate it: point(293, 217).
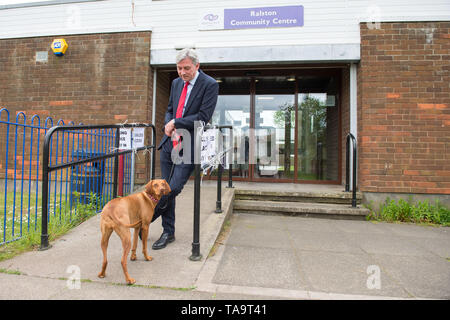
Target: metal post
point(354, 174)
point(196, 256)
point(44, 223)
point(219, 189)
point(121, 175)
point(347, 165)
point(44, 220)
point(230, 176)
point(133, 160)
point(230, 160)
point(116, 163)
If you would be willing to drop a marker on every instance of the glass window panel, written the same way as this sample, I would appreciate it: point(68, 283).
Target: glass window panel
point(317, 129)
point(274, 127)
point(233, 108)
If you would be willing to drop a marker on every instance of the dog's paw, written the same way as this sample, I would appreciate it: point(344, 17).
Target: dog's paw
point(148, 258)
point(133, 257)
point(131, 281)
point(101, 275)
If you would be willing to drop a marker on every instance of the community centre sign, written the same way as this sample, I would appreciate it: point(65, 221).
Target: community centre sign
point(246, 18)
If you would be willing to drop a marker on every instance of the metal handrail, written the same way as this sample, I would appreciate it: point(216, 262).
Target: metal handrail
point(220, 170)
point(196, 256)
point(351, 137)
point(47, 167)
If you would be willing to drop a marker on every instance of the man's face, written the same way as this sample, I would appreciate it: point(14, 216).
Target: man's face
point(186, 69)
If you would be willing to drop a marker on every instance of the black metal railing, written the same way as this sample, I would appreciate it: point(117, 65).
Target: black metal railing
point(220, 171)
point(196, 256)
point(351, 137)
point(77, 130)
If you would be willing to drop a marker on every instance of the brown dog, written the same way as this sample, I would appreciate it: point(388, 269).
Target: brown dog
point(134, 211)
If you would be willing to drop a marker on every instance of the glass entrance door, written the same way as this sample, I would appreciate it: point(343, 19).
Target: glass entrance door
point(274, 123)
point(233, 108)
point(317, 129)
point(286, 128)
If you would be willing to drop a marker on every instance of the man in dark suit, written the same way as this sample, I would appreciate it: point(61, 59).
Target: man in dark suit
point(193, 97)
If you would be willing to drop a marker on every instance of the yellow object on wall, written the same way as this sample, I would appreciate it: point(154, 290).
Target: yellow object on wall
point(59, 47)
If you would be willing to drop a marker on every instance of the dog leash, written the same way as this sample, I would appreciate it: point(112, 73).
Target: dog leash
point(170, 178)
point(167, 200)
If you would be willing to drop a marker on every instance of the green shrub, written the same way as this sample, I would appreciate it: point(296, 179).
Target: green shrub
point(406, 211)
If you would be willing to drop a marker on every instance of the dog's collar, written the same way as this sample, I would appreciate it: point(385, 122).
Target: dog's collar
point(153, 198)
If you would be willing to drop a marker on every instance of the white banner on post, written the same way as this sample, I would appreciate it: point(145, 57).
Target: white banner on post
point(126, 134)
point(208, 153)
point(138, 137)
point(125, 139)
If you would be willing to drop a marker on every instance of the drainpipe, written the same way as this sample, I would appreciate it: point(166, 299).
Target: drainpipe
point(353, 107)
point(153, 113)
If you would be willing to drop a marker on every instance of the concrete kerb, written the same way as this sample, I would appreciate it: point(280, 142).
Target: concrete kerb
point(214, 226)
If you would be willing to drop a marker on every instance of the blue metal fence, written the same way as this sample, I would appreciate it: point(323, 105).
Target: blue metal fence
point(21, 172)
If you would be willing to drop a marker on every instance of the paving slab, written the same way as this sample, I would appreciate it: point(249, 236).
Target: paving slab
point(346, 273)
point(330, 259)
point(420, 276)
point(323, 241)
point(252, 236)
point(259, 267)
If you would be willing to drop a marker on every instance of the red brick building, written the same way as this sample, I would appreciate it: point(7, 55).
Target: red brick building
point(310, 84)
point(403, 108)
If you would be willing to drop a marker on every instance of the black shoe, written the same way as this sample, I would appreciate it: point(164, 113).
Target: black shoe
point(163, 241)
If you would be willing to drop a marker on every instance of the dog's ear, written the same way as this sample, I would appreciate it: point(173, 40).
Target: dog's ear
point(167, 185)
point(149, 188)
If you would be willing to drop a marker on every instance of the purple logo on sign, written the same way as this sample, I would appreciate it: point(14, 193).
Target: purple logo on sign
point(265, 17)
point(211, 17)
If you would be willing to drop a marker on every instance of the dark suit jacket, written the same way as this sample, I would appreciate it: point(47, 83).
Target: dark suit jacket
point(200, 106)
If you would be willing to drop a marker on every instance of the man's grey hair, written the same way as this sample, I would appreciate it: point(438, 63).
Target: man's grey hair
point(187, 53)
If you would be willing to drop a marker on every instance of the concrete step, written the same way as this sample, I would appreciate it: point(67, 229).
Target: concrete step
point(318, 210)
point(295, 196)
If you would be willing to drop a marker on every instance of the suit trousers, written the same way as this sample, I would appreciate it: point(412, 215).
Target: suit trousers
point(181, 173)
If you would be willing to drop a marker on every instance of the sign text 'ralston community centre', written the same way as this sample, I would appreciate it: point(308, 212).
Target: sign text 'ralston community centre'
point(245, 18)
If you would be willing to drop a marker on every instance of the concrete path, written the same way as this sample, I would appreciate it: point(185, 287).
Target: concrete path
point(256, 257)
point(309, 258)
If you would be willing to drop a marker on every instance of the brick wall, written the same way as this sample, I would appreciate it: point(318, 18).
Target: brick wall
point(404, 114)
point(102, 79)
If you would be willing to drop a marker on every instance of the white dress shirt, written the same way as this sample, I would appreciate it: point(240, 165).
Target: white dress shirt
point(189, 89)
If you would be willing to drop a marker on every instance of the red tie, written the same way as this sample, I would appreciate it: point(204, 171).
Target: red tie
point(180, 109)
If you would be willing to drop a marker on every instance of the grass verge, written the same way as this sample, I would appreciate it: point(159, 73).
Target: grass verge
point(421, 212)
point(59, 225)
